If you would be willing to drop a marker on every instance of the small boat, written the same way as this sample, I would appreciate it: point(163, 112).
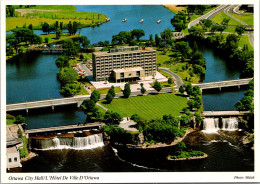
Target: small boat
point(107, 19)
point(124, 20)
point(158, 21)
point(142, 20)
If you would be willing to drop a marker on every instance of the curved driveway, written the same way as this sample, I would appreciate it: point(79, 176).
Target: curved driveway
point(177, 77)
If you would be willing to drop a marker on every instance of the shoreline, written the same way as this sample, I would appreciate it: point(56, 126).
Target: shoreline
point(190, 158)
point(29, 156)
point(160, 145)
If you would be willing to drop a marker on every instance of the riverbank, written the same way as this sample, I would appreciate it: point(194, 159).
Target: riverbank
point(174, 8)
point(160, 145)
point(190, 158)
point(29, 156)
point(39, 14)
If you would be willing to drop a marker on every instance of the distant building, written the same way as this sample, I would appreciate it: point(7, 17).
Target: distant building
point(13, 143)
point(124, 64)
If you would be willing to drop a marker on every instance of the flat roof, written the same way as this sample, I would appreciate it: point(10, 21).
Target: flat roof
point(128, 69)
point(125, 52)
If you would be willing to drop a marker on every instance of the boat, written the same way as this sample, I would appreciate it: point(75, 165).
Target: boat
point(158, 21)
point(124, 20)
point(142, 20)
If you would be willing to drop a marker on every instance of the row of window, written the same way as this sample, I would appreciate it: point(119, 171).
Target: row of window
point(10, 159)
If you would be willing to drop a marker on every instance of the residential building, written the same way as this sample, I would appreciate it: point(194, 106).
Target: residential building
point(123, 64)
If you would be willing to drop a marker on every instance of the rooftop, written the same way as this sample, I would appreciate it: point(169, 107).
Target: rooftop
point(125, 52)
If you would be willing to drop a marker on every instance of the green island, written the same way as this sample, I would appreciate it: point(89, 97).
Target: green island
point(184, 153)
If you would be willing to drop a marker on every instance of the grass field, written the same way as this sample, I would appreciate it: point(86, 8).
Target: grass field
point(105, 91)
point(52, 37)
point(10, 121)
point(150, 106)
point(176, 68)
point(246, 19)
point(48, 13)
point(219, 18)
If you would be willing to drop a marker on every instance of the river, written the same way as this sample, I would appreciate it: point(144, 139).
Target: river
point(33, 77)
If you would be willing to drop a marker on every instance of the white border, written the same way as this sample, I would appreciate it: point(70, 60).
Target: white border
point(138, 176)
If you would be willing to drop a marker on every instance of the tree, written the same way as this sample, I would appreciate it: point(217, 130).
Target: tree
point(191, 104)
point(181, 89)
point(46, 27)
point(30, 27)
point(189, 89)
point(46, 39)
point(225, 21)
point(19, 119)
point(109, 98)
point(88, 105)
point(58, 33)
point(170, 81)
point(213, 28)
point(206, 23)
point(167, 36)
point(112, 91)
point(70, 48)
point(62, 62)
point(157, 40)
point(84, 41)
point(95, 96)
point(75, 27)
point(240, 29)
point(157, 86)
point(127, 90)
point(143, 90)
point(137, 33)
point(70, 89)
point(112, 117)
point(67, 75)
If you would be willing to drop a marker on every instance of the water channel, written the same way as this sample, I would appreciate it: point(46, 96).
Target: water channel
point(33, 77)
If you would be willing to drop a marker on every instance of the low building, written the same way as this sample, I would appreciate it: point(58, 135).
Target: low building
point(13, 143)
point(124, 64)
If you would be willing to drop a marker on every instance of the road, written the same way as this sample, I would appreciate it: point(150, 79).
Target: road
point(250, 33)
point(208, 15)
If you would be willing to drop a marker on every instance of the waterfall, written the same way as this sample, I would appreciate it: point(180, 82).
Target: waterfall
point(210, 125)
point(230, 124)
point(89, 142)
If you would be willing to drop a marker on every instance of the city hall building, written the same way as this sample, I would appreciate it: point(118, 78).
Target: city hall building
point(128, 63)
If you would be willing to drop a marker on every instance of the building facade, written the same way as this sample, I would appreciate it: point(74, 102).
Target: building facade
point(124, 63)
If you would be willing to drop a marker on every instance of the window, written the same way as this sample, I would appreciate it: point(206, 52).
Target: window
point(15, 159)
point(121, 75)
point(10, 160)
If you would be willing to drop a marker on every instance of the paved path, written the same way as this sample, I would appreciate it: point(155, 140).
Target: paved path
point(127, 125)
point(179, 81)
point(98, 104)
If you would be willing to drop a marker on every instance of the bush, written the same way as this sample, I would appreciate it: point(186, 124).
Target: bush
point(70, 89)
point(19, 119)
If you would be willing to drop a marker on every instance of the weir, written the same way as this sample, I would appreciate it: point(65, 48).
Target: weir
point(79, 143)
point(214, 124)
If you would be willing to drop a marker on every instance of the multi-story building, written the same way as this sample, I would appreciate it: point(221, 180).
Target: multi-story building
point(124, 64)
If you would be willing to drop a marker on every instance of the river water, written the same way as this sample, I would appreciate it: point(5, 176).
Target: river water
point(33, 77)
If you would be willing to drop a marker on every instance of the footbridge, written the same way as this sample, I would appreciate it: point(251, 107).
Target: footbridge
point(63, 129)
point(47, 103)
point(221, 84)
point(225, 113)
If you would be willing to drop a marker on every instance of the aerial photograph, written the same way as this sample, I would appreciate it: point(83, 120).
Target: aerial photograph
point(129, 88)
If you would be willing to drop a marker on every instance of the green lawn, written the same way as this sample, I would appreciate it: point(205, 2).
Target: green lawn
point(10, 121)
point(105, 91)
point(82, 91)
point(219, 18)
point(149, 106)
point(48, 13)
point(176, 67)
point(246, 19)
point(52, 37)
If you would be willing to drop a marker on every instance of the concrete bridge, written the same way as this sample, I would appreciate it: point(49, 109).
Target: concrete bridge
point(221, 84)
point(47, 103)
point(40, 48)
point(63, 129)
point(225, 113)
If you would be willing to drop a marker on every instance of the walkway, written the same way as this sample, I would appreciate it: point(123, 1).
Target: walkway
point(128, 125)
point(225, 113)
point(98, 104)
